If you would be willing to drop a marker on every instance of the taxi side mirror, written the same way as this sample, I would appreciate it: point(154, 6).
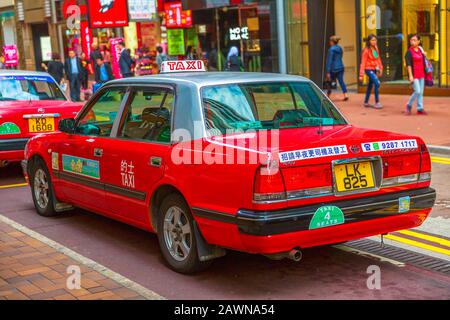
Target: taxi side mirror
point(67, 125)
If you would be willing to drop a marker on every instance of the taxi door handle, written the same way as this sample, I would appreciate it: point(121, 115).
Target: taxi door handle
point(98, 152)
point(155, 161)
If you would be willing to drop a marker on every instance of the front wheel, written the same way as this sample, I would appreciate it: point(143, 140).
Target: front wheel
point(177, 238)
point(42, 190)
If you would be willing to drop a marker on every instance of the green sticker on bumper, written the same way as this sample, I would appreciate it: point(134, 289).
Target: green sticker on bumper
point(9, 128)
point(326, 217)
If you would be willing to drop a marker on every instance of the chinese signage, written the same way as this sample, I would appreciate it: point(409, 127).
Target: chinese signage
point(175, 42)
point(86, 38)
point(239, 33)
point(142, 10)
point(108, 13)
point(175, 16)
point(11, 56)
point(115, 56)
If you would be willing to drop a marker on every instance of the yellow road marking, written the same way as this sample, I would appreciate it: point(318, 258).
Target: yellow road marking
point(440, 160)
point(13, 185)
point(418, 244)
point(427, 237)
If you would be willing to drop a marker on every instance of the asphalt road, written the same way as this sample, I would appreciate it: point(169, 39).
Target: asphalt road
point(324, 273)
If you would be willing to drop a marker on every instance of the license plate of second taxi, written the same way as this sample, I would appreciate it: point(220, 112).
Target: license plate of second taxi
point(41, 125)
point(354, 176)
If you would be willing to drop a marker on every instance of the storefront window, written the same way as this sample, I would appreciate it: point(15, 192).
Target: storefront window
point(297, 41)
point(392, 21)
point(250, 26)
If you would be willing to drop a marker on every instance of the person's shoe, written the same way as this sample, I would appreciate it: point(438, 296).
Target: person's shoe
point(346, 98)
point(378, 106)
point(368, 105)
point(408, 110)
point(422, 113)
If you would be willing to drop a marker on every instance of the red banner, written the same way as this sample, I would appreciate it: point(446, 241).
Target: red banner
point(11, 56)
point(108, 13)
point(115, 55)
point(86, 38)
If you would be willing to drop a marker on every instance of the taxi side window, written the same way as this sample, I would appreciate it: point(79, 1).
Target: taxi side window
point(99, 120)
point(149, 115)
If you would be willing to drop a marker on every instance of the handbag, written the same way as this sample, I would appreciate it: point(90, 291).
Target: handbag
point(429, 82)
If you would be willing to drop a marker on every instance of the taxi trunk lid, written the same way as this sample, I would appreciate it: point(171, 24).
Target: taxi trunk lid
point(346, 161)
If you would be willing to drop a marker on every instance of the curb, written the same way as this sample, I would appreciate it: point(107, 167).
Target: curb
point(439, 150)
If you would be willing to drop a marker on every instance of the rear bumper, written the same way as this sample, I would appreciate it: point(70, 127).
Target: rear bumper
point(12, 149)
point(283, 230)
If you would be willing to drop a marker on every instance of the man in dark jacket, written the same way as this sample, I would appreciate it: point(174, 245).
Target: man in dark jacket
point(103, 71)
point(74, 71)
point(56, 68)
point(125, 61)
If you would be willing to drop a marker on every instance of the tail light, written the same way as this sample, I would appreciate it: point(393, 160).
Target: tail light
point(269, 187)
point(425, 164)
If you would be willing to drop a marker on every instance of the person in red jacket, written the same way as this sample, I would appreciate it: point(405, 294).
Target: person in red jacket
point(371, 66)
point(415, 61)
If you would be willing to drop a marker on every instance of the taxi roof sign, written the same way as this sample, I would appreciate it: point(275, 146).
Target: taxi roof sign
point(183, 66)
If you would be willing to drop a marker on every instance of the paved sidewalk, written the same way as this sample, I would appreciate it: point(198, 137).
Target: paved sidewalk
point(32, 269)
point(434, 128)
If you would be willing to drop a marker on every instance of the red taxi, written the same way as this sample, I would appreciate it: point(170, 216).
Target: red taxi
point(30, 103)
point(254, 162)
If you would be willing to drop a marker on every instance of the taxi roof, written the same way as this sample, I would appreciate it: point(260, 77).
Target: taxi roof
point(11, 72)
point(201, 79)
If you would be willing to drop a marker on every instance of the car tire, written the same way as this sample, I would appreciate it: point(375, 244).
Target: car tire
point(42, 189)
point(177, 238)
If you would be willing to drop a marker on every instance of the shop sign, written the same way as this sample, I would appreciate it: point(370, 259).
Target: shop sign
point(86, 38)
point(175, 42)
point(142, 10)
point(46, 48)
point(175, 16)
point(239, 33)
point(115, 55)
point(11, 55)
point(108, 13)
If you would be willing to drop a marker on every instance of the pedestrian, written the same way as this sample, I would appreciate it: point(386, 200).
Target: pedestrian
point(415, 61)
point(105, 53)
point(212, 58)
point(161, 57)
point(103, 73)
point(372, 66)
point(73, 69)
point(335, 66)
point(190, 53)
point(84, 71)
point(125, 61)
point(2, 61)
point(56, 68)
point(95, 53)
point(234, 62)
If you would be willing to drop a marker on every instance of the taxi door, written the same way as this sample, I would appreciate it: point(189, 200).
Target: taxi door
point(136, 159)
point(81, 162)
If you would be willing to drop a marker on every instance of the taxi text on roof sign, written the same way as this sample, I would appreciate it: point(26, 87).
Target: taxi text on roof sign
point(183, 66)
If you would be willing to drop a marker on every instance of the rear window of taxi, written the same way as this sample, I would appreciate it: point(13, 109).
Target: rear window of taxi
point(266, 106)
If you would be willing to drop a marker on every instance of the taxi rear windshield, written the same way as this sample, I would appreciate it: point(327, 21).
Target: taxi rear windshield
point(266, 106)
point(26, 88)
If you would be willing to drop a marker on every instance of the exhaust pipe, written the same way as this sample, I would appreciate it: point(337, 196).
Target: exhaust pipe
point(3, 163)
point(295, 255)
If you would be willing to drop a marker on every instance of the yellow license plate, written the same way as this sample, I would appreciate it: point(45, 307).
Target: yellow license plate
point(354, 176)
point(41, 125)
